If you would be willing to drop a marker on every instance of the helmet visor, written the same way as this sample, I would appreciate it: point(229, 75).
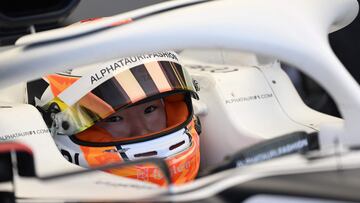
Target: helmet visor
point(102, 104)
point(141, 121)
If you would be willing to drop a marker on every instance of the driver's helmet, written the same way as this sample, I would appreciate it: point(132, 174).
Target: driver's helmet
point(125, 109)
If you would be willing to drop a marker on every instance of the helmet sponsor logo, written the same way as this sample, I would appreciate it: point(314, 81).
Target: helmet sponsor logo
point(109, 69)
point(67, 155)
point(116, 150)
point(156, 173)
point(177, 169)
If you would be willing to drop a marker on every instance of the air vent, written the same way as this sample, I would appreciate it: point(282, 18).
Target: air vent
point(146, 154)
point(177, 145)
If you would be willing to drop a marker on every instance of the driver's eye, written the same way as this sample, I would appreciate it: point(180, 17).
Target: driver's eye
point(114, 119)
point(150, 109)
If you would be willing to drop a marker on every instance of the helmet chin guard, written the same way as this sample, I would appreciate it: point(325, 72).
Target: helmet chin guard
point(180, 150)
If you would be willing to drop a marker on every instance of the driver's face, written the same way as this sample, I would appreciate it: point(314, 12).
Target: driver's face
point(137, 120)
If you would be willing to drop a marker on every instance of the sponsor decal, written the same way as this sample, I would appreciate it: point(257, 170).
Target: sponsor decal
point(16, 135)
point(123, 150)
point(67, 155)
point(176, 169)
point(122, 184)
point(276, 152)
point(212, 69)
point(156, 173)
point(128, 61)
point(248, 98)
point(108, 70)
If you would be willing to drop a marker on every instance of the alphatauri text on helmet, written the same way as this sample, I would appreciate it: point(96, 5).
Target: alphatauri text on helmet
point(128, 61)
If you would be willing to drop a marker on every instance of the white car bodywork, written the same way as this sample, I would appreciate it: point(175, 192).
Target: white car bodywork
point(245, 102)
point(275, 30)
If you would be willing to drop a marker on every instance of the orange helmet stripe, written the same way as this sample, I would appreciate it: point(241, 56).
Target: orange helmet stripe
point(100, 156)
point(59, 83)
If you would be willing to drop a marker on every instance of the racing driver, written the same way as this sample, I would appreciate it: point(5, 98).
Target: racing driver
point(122, 110)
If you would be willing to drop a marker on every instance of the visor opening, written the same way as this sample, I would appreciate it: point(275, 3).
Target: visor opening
point(178, 112)
point(146, 154)
point(176, 145)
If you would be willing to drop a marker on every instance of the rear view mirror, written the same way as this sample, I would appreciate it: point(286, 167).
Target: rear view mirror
point(17, 17)
point(26, 13)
